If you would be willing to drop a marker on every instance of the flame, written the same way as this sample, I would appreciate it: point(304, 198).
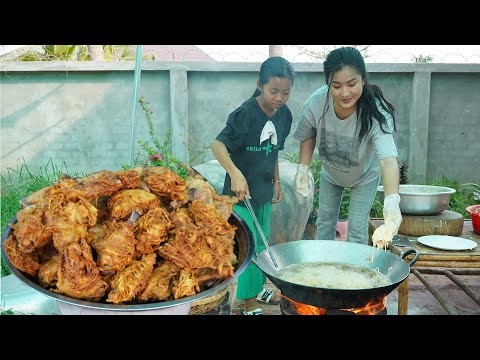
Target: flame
point(371, 308)
point(305, 309)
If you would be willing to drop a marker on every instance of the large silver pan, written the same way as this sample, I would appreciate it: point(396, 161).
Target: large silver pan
point(244, 250)
point(328, 251)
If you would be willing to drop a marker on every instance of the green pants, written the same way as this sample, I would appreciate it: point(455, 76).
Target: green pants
point(252, 279)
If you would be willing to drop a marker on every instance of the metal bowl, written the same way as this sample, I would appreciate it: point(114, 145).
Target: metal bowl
point(244, 249)
point(422, 199)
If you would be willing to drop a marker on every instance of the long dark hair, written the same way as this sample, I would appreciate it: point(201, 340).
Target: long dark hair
point(275, 66)
point(367, 108)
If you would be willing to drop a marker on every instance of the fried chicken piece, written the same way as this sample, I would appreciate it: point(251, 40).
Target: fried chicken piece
point(206, 215)
point(165, 183)
point(58, 197)
point(102, 208)
point(26, 262)
point(152, 230)
point(223, 245)
point(224, 204)
point(29, 230)
point(124, 202)
point(186, 284)
point(130, 178)
point(126, 284)
point(94, 176)
point(159, 285)
point(190, 248)
point(210, 244)
point(181, 216)
point(206, 276)
point(180, 238)
point(48, 272)
point(70, 223)
point(97, 232)
point(115, 250)
point(200, 189)
point(104, 185)
point(39, 196)
point(46, 252)
point(78, 275)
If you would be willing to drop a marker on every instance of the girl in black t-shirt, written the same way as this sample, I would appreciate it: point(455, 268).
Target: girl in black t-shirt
point(248, 149)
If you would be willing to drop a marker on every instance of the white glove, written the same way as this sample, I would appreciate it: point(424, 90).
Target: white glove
point(383, 235)
point(302, 181)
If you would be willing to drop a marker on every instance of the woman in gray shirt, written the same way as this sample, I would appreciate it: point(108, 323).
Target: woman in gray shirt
point(351, 123)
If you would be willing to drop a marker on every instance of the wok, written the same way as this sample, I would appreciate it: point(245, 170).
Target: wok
point(244, 250)
point(331, 251)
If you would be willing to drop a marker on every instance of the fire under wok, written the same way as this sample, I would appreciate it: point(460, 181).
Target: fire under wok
point(331, 251)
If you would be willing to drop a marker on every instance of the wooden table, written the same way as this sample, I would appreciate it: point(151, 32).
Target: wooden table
point(430, 257)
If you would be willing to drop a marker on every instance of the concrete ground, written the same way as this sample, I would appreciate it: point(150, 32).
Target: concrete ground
point(24, 300)
point(420, 299)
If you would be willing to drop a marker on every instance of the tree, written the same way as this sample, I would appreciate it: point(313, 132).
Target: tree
point(95, 52)
point(322, 54)
point(80, 53)
point(275, 50)
point(422, 58)
point(48, 53)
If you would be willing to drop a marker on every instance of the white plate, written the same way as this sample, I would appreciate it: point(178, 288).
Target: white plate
point(445, 242)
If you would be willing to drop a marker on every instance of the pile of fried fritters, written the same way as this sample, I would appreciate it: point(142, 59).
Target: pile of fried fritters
point(133, 236)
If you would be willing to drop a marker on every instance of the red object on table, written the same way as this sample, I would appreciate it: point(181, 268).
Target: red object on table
point(474, 211)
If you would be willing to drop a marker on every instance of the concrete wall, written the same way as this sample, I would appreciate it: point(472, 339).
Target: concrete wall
point(80, 113)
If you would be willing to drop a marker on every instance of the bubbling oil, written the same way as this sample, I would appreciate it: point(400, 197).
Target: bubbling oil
point(333, 276)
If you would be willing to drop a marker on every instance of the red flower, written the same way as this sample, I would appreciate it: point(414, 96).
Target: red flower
point(155, 157)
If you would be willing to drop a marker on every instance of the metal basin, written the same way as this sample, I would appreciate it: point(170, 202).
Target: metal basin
point(244, 249)
point(422, 199)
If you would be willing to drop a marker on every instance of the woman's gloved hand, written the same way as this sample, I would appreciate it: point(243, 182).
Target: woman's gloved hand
point(383, 235)
point(302, 181)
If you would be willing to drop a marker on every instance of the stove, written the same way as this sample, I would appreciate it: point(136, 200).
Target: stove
point(290, 307)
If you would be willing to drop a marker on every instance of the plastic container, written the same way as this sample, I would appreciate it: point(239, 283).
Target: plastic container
point(474, 211)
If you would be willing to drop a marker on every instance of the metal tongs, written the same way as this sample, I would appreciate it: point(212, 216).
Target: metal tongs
point(246, 200)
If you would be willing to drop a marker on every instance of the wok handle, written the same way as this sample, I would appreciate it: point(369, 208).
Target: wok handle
point(408, 252)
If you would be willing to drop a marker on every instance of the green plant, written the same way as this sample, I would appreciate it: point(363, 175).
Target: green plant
point(465, 195)
point(403, 170)
point(156, 153)
point(472, 191)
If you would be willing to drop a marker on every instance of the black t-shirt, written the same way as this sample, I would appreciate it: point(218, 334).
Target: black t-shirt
point(256, 161)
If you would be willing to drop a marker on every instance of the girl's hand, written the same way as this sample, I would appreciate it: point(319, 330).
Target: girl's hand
point(240, 186)
point(277, 193)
